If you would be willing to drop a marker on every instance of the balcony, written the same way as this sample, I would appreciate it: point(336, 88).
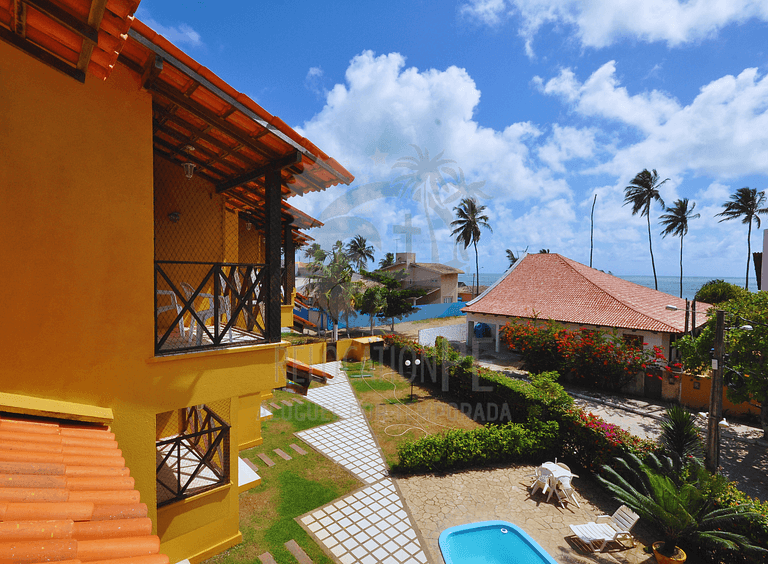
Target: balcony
point(201, 305)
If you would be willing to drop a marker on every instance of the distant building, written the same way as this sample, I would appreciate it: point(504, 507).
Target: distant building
point(551, 286)
point(439, 280)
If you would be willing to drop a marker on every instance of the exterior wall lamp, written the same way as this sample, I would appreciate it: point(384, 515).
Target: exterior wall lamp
point(189, 167)
point(174, 216)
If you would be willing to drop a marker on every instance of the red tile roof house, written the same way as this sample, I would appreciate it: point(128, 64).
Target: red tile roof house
point(439, 280)
point(551, 286)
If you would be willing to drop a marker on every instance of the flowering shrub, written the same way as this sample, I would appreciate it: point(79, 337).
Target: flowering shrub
point(592, 443)
point(593, 358)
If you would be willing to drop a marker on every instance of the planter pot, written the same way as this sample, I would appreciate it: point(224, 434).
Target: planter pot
point(678, 558)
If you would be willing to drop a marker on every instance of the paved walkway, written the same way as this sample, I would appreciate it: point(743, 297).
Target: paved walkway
point(373, 524)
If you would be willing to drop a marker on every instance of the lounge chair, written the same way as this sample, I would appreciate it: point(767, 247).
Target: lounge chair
point(616, 529)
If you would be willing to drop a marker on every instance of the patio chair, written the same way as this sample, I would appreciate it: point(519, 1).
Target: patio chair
point(565, 492)
point(543, 481)
point(195, 326)
point(173, 306)
point(616, 529)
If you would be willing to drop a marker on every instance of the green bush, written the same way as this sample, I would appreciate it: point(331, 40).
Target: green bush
point(716, 292)
point(511, 442)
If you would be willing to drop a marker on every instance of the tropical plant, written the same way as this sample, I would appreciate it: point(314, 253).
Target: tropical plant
point(398, 301)
point(746, 343)
point(331, 284)
point(718, 291)
point(469, 220)
point(372, 302)
point(311, 252)
point(676, 223)
point(512, 258)
point(684, 513)
point(359, 252)
point(543, 251)
point(641, 192)
point(679, 433)
point(388, 260)
point(745, 204)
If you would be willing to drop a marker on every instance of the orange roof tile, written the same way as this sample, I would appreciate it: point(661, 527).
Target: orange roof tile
point(551, 286)
point(61, 500)
point(232, 135)
point(34, 29)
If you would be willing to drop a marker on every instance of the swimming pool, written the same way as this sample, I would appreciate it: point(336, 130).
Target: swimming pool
point(491, 542)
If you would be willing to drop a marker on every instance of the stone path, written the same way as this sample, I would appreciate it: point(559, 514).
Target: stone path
point(373, 524)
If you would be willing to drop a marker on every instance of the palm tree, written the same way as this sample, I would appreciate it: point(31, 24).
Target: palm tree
point(469, 220)
point(388, 260)
point(676, 223)
point(745, 203)
point(330, 284)
point(512, 258)
point(643, 189)
point(359, 252)
point(311, 252)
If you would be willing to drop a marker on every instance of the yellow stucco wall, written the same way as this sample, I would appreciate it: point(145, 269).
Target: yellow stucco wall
point(695, 392)
point(77, 233)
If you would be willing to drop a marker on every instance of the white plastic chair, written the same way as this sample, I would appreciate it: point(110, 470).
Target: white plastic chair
point(173, 306)
point(565, 492)
point(616, 529)
point(543, 481)
point(204, 315)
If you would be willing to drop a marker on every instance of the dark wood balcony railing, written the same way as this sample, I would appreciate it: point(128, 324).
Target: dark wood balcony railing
point(195, 460)
point(201, 305)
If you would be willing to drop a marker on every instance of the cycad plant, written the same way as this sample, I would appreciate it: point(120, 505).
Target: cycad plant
point(682, 510)
point(679, 434)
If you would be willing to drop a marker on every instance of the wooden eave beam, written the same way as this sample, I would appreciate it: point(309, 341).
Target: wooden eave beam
point(95, 16)
point(41, 54)
point(199, 162)
point(19, 18)
point(208, 116)
point(203, 134)
point(276, 165)
point(136, 36)
point(151, 71)
point(66, 19)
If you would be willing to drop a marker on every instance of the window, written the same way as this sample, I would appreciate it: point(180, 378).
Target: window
point(633, 341)
point(192, 451)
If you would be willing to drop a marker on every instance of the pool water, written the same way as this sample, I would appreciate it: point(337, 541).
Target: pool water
point(491, 542)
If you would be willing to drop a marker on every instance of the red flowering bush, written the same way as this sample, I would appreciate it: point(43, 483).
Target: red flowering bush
point(593, 358)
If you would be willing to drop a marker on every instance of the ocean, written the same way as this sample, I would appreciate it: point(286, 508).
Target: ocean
point(667, 284)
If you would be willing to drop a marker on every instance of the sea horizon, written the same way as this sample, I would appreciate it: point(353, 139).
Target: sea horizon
point(667, 284)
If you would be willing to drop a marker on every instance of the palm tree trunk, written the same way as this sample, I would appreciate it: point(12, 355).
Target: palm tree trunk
point(477, 269)
point(681, 266)
point(650, 246)
point(749, 253)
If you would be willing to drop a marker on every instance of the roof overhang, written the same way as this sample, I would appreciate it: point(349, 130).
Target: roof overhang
point(70, 36)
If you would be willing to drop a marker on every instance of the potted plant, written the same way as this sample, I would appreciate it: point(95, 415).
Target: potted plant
point(680, 503)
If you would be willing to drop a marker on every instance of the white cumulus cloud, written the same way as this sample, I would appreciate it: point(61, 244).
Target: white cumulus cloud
point(600, 23)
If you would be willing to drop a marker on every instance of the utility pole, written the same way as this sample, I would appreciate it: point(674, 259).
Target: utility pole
point(712, 459)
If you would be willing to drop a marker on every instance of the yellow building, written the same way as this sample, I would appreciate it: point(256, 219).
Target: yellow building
point(144, 216)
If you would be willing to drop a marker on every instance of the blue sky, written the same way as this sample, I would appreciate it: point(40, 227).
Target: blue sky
point(535, 105)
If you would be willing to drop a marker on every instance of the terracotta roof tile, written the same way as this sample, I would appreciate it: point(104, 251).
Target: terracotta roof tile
point(78, 504)
point(550, 286)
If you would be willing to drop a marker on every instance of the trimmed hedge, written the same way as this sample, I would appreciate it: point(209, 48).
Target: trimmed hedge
point(511, 442)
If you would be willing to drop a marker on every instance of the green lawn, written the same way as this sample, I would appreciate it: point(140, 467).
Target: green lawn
point(288, 489)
